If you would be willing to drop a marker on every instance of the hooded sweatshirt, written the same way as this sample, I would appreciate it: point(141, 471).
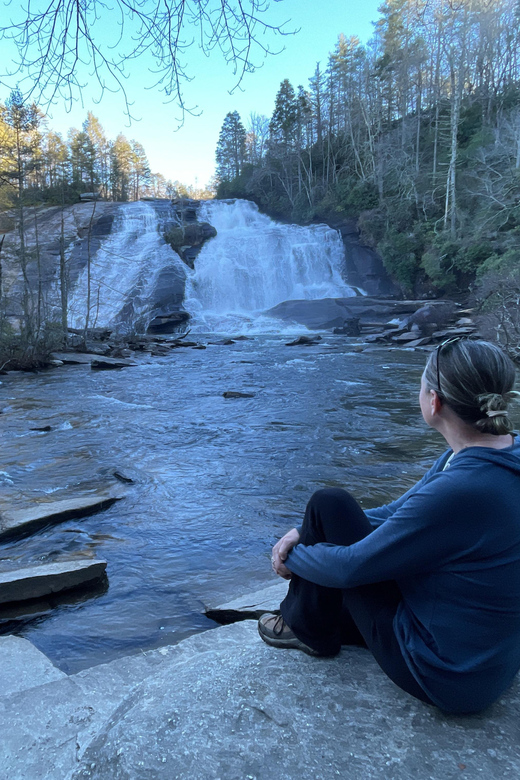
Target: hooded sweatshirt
point(452, 544)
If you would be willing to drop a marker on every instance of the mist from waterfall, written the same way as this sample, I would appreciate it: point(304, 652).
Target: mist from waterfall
point(124, 273)
point(255, 263)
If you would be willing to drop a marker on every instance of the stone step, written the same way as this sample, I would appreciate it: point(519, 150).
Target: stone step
point(35, 582)
point(250, 606)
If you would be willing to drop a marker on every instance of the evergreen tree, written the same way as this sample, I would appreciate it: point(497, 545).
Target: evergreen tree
point(231, 148)
point(283, 122)
point(120, 168)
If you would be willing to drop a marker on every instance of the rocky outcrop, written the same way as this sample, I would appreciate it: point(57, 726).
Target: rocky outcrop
point(45, 223)
point(187, 240)
point(363, 266)
point(330, 313)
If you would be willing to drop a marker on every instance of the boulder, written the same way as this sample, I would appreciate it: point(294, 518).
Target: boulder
point(187, 239)
point(328, 313)
point(304, 341)
point(168, 323)
point(18, 522)
point(73, 358)
point(105, 363)
point(351, 327)
point(35, 582)
point(428, 318)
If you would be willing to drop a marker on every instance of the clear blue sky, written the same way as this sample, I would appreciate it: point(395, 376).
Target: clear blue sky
point(188, 154)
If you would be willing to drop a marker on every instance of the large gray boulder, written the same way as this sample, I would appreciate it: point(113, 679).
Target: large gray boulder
point(329, 313)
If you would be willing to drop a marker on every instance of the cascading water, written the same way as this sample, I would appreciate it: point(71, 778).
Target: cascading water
point(124, 273)
point(255, 263)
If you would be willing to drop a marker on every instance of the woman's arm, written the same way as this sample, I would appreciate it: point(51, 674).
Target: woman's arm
point(379, 514)
point(426, 532)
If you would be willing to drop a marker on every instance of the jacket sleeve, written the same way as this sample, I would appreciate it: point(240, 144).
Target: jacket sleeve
point(421, 535)
point(379, 514)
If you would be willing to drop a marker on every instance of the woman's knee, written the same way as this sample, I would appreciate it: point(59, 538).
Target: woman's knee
point(336, 517)
point(332, 498)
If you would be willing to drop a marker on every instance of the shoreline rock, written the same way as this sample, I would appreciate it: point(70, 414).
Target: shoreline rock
point(22, 522)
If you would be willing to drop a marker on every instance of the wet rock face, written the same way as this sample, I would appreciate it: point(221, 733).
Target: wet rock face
point(43, 228)
point(364, 267)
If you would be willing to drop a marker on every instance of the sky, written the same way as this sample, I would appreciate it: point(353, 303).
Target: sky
point(188, 154)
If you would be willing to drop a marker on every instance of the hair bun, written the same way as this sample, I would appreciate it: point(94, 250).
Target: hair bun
point(490, 403)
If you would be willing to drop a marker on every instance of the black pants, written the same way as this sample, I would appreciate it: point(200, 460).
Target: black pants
point(326, 618)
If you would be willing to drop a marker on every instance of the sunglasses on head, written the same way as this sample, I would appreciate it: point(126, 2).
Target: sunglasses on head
point(438, 351)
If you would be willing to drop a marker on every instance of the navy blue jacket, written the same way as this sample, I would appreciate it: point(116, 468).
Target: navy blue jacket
point(452, 543)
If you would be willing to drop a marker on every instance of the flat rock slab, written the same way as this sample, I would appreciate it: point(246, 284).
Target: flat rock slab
point(251, 606)
point(23, 521)
point(222, 705)
point(242, 709)
point(22, 666)
point(34, 582)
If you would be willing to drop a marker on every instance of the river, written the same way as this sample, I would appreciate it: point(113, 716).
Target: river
point(217, 480)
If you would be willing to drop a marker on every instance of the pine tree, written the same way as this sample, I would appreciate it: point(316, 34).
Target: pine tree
point(231, 148)
point(283, 124)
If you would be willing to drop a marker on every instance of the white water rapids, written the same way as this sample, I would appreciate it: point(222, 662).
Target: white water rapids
point(255, 263)
point(251, 265)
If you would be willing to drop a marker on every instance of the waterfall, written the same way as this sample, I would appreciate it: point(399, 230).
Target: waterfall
point(124, 273)
point(255, 263)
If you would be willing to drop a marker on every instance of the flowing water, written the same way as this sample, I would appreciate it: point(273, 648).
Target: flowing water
point(255, 263)
point(216, 480)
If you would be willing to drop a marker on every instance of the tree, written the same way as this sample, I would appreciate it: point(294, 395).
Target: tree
point(283, 122)
point(53, 41)
point(140, 169)
point(99, 147)
point(120, 168)
point(231, 147)
point(20, 156)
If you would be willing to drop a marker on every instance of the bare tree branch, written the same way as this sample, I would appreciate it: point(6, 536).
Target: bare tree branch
point(55, 40)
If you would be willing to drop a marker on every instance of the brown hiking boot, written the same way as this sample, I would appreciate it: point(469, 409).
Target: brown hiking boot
point(275, 632)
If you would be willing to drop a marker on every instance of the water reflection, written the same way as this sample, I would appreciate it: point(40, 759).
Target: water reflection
point(216, 480)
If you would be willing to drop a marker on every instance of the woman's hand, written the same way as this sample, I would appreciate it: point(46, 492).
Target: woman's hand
point(281, 550)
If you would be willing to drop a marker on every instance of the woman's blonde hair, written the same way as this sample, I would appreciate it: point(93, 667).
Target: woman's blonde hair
point(475, 379)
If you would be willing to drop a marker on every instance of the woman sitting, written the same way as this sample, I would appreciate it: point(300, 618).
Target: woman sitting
point(431, 582)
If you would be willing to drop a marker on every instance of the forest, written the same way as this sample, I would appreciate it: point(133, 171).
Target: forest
point(39, 167)
point(416, 135)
